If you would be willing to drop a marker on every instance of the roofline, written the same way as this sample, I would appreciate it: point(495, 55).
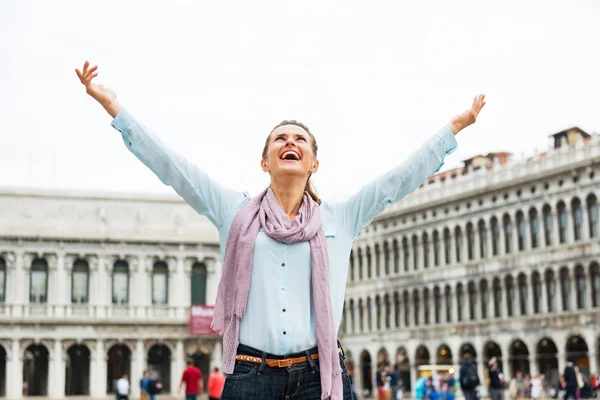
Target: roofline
point(67, 193)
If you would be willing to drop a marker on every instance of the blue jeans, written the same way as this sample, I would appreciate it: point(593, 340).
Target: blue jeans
point(191, 396)
point(251, 381)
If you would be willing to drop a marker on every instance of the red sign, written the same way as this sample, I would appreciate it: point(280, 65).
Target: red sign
point(201, 317)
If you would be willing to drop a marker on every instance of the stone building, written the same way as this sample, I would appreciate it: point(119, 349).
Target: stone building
point(94, 285)
point(500, 257)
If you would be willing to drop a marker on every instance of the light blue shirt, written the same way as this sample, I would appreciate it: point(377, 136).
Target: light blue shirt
point(280, 317)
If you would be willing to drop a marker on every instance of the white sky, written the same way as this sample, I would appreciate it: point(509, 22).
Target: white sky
point(212, 78)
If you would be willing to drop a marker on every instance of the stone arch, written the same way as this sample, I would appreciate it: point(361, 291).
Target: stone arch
point(467, 348)
point(36, 363)
point(119, 357)
point(444, 355)
point(422, 358)
point(366, 371)
point(492, 349)
point(159, 363)
point(77, 375)
point(519, 357)
point(402, 365)
point(3, 362)
point(576, 350)
point(547, 359)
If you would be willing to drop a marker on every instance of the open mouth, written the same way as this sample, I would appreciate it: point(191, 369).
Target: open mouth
point(290, 155)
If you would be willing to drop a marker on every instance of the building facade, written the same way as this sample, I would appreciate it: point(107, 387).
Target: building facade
point(94, 286)
point(497, 258)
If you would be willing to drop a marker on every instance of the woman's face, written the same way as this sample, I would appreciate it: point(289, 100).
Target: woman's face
point(290, 153)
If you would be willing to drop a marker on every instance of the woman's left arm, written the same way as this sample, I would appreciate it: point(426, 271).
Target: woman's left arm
point(360, 209)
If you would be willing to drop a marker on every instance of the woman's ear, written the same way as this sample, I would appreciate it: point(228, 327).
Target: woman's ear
point(264, 165)
point(315, 166)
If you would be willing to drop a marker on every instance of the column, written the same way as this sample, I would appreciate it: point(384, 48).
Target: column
point(180, 288)
point(395, 315)
point(14, 372)
point(555, 228)
point(508, 303)
point(179, 367)
point(212, 284)
point(570, 225)
point(102, 289)
point(572, 289)
point(56, 373)
point(19, 295)
point(143, 284)
point(59, 297)
point(490, 303)
point(476, 245)
point(172, 284)
point(421, 252)
point(527, 223)
point(452, 249)
point(454, 307)
point(98, 373)
point(515, 236)
point(422, 307)
point(543, 294)
point(530, 296)
point(363, 265)
point(138, 366)
point(561, 360)
point(585, 222)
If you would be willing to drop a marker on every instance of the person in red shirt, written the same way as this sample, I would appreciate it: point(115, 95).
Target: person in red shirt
point(192, 378)
point(216, 381)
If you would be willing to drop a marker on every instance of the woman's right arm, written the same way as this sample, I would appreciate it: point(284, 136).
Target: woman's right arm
point(201, 192)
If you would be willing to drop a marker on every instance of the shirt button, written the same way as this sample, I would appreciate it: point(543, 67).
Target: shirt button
point(283, 310)
point(284, 332)
point(283, 264)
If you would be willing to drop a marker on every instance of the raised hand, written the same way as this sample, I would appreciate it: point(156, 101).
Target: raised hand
point(103, 95)
point(469, 117)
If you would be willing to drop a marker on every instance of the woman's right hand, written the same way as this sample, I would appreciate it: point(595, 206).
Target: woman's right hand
point(103, 95)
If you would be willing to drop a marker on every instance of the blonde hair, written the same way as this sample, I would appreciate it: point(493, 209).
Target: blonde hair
point(309, 187)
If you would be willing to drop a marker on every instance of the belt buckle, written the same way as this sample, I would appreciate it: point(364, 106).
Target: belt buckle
point(284, 363)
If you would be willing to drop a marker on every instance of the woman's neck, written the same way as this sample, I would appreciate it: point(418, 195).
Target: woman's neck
point(289, 196)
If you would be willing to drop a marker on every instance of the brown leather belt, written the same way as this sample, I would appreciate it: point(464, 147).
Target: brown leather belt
point(275, 363)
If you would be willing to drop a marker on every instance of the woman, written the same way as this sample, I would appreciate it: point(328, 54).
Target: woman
point(285, 252)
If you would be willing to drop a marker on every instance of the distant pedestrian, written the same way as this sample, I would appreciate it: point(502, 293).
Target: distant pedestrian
point(192, 379)
point(216, 382)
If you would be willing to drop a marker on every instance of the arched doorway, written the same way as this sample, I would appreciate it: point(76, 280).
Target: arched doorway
point(519, 358)
point(366, 370)
point(77, 376)
point(198, 283)
point(492, 349)
point(202, 362)
point(546, 352)
point(383, 357)
point(467, 348)
point(119, 364)
point(444, 355)
point(35, 370)
point(159, 361)
point(577, 351)
point(422, 360)
point(2, 371)
point(403, 368)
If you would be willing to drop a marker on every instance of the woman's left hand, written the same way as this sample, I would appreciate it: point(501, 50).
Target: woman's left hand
point(461, 121)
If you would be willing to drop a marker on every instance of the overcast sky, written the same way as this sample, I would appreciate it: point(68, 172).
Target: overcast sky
point(372, 81)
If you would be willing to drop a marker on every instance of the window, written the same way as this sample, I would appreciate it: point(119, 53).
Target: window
point(551, 290)
point(417, 306)
point(510, 295)
point(592, 207)
point(508, 232)
point(80, 282)
point(396, 257)
point(198, 282)
point(415, 249)
point(565, 288)
point(38, 292)
point(360, 264)
point(386, 258)
point(352, 276)
point(397, 309)
point(120, 283)
point(537, 292)
point(369, 263)
point(595, 282)
point(448, 295)
point(425, 250)
point(580, 280)
point(352, 317)
point(485, 298)
point(369, 314)
point(458, 240)
point(547, 224)
point(497, 298)
point(377, 259)
point(436, 248)
point(523, 294)
point(160, 283)
point(447, 245)
point(2, 280)
point(470, 241)
point(405, 298)
point(534, 226)
point(378, 312)
point(495, 236)
point(361, 320)
point(405, 253)
point(562, 222)
point(426, 306)
point(521, 231)
point(472, 301)
point(437, 299)
point(460, 302)
point(482, 239)
point(577, 218)
point(388, 316)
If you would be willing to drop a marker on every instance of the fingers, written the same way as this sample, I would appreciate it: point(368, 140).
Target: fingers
point(87, 74)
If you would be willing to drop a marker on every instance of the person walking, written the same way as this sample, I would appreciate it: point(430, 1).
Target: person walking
point(497, 380)
point(469, 378)
point(285, 251)
point(123, 387)
point(192, 379)
point(216, 381)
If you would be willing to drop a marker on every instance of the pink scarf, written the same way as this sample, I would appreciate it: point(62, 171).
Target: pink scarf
point(264, 211)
